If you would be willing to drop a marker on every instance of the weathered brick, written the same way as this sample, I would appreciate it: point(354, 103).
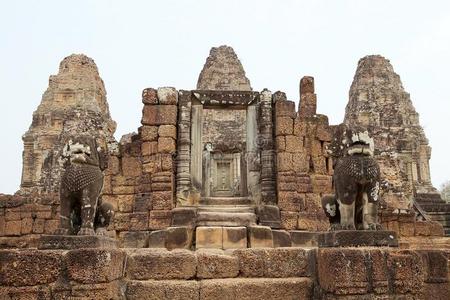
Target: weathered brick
point(159, 115)
point(162, 200)
point(284, 126)
point(149, 96)
point(131, 166)
point(166, 145)
point(149, 148)
point(149, 133)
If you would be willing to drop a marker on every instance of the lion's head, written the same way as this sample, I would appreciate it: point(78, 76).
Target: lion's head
point(83, 149)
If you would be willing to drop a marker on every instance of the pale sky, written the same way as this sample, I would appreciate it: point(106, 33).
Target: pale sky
point(139, 44)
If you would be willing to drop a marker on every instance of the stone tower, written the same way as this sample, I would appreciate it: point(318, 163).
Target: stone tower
point(223, 71)
point(74, 102)
point(379, 102)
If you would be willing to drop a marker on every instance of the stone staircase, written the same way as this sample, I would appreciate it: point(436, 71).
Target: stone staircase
point(226, 215)
point(435, 208)
point(221, 223)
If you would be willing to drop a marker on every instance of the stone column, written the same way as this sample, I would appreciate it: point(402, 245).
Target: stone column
point(196, 147)
point(266, 144)
point(252, 157)
point(184, 147)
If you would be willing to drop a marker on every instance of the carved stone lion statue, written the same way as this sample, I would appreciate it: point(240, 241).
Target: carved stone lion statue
point(82, 209)
point(356, 181)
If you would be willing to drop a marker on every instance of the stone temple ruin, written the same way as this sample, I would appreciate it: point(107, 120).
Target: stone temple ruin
point(219, 194)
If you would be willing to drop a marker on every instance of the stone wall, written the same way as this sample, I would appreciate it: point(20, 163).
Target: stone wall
point(283, 273)
point(140, 180)
point(304, 170)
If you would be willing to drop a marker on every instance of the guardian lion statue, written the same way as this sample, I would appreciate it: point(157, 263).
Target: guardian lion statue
point(356, 181)
point(82, 209)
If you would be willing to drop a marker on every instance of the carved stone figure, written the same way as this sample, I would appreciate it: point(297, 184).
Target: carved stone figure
point(82, 210)
point(356, 181)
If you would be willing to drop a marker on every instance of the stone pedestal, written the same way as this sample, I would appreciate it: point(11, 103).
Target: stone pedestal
point(69, 242)
point(356, 238)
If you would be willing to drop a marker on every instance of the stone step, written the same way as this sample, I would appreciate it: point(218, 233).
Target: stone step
point(225, 201)
point(227, 208)
point(217, 218)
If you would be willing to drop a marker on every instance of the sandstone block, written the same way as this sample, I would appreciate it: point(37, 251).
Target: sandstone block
point(26, 267)
point(149, 133)
point(256, 288)
point(166, 145)
point(133, 239)
point(285, 109)
point(300, 127)
point(269, 215)
point(208, 237)
point(234, 237)
point(179, 237)
point(290, 201)
point(149, 96)
point(294, 144)
point(13, 214)
point(285, 162)
point(162, 200)
point(184, 216)
point(408, 271)
point(289, 219)
point(260, 236)
point(284, 126)
point(142, 202)
point(159, 115)
point(167, 95)
point(123, 189)
point(26, 226)
point(157, 239)
point(95, 265)
point(139, 221)
point(159, 219)
point(301, 238)
point(125, 203)
point(281, 238)
point(25, 292)
point(436, 267)
point(163, 289)
point(70, 242)
point(149, 148)
point(300, 162)
point(288, 262)
point(280, 143)
point(167, 162)
point(113, 165)
point(121, 221)
point(14, 228)
point(2, 225)
point(152, 164)
point(51, 226)
point(406, 229)
point(342, 271)
point(251, 262)
point(422, 228)
point(160, 264)
point(214, 263)
point(168, 131)
point(131, 166)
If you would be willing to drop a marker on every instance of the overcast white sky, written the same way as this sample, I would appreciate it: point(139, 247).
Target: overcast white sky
point(138, 44)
